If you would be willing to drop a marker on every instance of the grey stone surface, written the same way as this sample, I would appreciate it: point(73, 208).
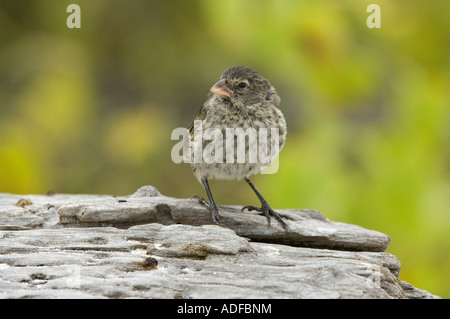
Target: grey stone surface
point(147, 245)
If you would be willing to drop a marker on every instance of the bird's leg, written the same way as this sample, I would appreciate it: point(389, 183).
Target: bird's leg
point(265, 207)
point(211, 205)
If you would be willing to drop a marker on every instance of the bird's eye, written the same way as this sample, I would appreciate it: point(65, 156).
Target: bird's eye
point(242, 85)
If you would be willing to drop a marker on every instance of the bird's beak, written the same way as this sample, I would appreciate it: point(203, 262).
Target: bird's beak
point(221, 88)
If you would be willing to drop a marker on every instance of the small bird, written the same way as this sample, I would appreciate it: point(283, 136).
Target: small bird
point(242, 98)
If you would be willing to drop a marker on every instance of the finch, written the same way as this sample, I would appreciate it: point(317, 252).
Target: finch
point(242, 102)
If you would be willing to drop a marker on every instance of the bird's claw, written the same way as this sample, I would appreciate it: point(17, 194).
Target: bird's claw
point(267, 211)
point(250, 208)
point(201, 200)
point(212, 208)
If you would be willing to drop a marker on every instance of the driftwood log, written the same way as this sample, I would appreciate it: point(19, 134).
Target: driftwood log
point(147, 245)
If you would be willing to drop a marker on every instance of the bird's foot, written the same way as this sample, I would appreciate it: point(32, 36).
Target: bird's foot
point(201, 200)
point(267, 211)
point(212, 208)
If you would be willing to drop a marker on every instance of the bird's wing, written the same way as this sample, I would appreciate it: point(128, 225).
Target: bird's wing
point(200, 117)
point(273, 97)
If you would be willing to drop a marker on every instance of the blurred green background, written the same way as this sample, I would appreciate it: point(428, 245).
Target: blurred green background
point(91, 110)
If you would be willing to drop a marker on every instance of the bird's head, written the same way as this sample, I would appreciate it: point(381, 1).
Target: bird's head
point(244, 86)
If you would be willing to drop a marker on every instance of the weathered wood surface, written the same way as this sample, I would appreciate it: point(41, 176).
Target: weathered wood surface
point(147, 245)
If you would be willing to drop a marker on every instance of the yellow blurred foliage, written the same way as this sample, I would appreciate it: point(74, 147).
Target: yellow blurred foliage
point(368, 110)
